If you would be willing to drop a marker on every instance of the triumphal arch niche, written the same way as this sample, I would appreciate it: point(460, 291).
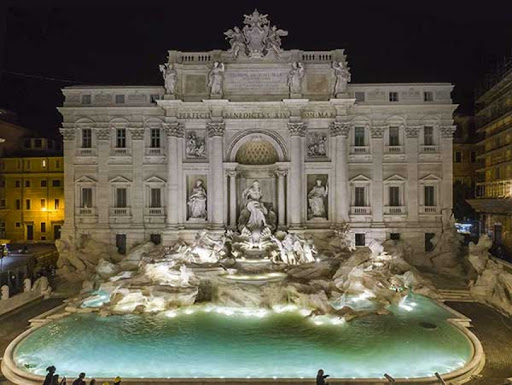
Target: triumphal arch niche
point(257, 137)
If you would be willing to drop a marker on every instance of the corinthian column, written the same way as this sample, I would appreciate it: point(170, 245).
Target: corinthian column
point(281, 200)
point(339, 132)
point(296, 173)
point(173, 131)
point(216, 180)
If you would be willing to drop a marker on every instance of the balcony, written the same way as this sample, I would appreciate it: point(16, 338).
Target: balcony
point(429, 149)
point(360, 210)
point(394, 210)
point(394, 149)
point(86, 152)
point(152, 211)
point(154, 151)
point(430, 210)
point(359, 150)
point(497, 189)
point(86, 214)
point(85, 211)
point(154, 215)
point(120, 211)
point(122, 151)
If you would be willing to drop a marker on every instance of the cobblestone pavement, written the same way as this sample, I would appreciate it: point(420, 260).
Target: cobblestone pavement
point(495, 333)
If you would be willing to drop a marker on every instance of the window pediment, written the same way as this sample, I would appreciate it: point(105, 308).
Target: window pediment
point(155, 180)
point(85, 179)
point(430, 178)
point(120, 180)
point(395, 178)
point(361, 179)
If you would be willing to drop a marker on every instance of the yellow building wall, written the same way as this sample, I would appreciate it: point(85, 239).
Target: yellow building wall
point(22, 180)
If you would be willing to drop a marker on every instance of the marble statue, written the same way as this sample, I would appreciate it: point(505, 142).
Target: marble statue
point(197, 201)
point(295, 78)
point(236, 41)
point(195, 146)
point(342, 77)
point(316, 199)
point(170, 75)
point(273, 39)
point(257, 219)
point(216, 78)
point(317, 145)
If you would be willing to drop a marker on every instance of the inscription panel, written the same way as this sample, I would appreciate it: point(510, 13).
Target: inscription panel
point(257, 82)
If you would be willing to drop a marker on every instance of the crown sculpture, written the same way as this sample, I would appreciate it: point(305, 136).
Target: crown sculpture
point(257, 39)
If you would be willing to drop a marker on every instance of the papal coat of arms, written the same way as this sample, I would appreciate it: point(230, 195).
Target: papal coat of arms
point(257, 39)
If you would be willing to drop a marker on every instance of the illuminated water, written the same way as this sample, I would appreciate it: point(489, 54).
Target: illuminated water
point(217, 343)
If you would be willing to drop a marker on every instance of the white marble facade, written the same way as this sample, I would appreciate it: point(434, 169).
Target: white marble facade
point(380, 155)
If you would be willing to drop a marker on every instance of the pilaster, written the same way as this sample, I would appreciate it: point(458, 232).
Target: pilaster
point(296, 182)
point(216, 130)
point(411, 152)
point(377, 146)
point(137, 205)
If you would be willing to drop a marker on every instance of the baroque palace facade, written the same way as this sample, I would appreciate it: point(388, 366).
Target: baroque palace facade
point(161, 163)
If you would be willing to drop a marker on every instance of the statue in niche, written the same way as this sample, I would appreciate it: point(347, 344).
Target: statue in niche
point(316, 200)
point(257, 219)
point(317, 145)
point(170, 75)
point(197, 201)
point(295, 78)
point(216, 78)
point(342, 77)
point(195, 146)
point(236, 41)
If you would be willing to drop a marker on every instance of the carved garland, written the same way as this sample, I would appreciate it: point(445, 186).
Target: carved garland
point(173, 129)
point(412, 131)
point(137, 133)
point(297, 128)
point(447, 131)
point(215, 129)
point(340, 129)
point(68, 133)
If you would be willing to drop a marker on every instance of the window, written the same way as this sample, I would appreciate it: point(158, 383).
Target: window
point(27, 204)
point(27, 183)
point(86, 99)
point(18, 204)
point(359, 136)
point(43, 183)
point(359, 96)
point(26, 143)
point(57, 163)
point(360, 196)
point(56, 183)
point(119, 99)
point(43, 227)
point(429, 195)
point(428, 96)
point(121, 137)
point(2, 203)
point(50, 144)
point(428, 136)
point(18, 164)
point(2, 183)
point(121, 197)
point(497, 173)
point(18, 224)
point(155, 138)
point(86, 138)
point(394, 139)
point(473, 157)
point(43, 238)
point(43, 204)
point(86, 198)
point(57, 204)
point(156, 200)
point(458, 157)
point(360, 239)
point(17, 183)
point(28, 164)
point(429, 246)
point(394, 196)
point(394, 236)
point(43, 163)
point(156, 238)
point(38, 143)
point(393, 96)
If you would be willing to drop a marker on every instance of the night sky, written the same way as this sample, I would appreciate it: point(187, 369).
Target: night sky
point(111, 43)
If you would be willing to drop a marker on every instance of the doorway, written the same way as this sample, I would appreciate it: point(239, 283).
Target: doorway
point(121, 243)
point(30, 232)
point(56, 232)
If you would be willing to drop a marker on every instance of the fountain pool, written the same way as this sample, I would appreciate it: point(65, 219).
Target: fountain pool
point(215, 342)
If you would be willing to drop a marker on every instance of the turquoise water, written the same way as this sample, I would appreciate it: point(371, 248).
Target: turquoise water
point(213, 343)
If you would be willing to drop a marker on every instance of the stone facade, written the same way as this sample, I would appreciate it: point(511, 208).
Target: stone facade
point(380, 155)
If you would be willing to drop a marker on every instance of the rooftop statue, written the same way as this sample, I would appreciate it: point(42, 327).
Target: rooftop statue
point(257, 39)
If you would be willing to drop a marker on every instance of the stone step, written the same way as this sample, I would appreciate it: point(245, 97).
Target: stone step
point(456, 295)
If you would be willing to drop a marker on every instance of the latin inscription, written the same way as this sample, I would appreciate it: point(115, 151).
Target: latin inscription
point(256, 82)
point(258, 115)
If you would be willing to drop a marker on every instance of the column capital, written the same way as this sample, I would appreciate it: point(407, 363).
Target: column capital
point(174, 129)
point(340, 129)
point(67, 133)
point(281, 173)
point(297, 128)
point(137, 133)
point(103, 133)
point(412, 131)
point(215, 128)
point(231, 173)
point(377, 132)
point(447, 131)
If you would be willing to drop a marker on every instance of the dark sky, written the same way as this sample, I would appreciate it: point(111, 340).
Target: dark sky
point(111, 43)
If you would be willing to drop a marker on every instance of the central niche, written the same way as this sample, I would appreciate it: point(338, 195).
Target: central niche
point(256, 152)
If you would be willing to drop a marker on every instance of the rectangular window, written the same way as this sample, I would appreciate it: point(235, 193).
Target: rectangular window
point(458, 157)
point(360, 200)
point(27, 183)
point(2, 203)
point(360, 239)
point(86, 99)
point(43, 227)
point(473, 157)
point(394, 196)
point(56, 183)
point(394, 138)
point(50, 144)
point(393, 96)
point(121, 200)
point(428, 96)
point(429, 246)
point(18, 204)
point(429, 195)
point(156, 200)
point(17, 183)
point(18, 164)
point(394, 236)
point(18, 224)
point(57, 163)
point(43, 183)
point(43, 204)
point(2, 183)
point(57, 204)
point(119, 99)
point(359, 136)
point(27, 204)
point(428, 136)
point(43, 163)
point(86, 138)
point(359, 96)
point(28, 164)
point(121, 137)
point(156, 238)
point(86, 197)
point(38, 143)
point(155, 138)
point(26, 143)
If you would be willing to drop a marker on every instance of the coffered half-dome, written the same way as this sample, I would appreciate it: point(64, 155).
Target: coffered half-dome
point(257, 152)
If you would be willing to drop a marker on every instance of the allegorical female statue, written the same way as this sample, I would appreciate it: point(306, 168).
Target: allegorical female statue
point(215, 78)
point(197, 201)
point(252, 201)
point(342, 77)
point(316, 200)
point(169, 74)
point(295, 78)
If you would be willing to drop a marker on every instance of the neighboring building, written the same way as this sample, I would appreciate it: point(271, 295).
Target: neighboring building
point(11, 133)
point(32, 191)
point(286, 119)
point(493, 190)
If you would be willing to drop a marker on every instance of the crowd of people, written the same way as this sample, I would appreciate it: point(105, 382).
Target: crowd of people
point(53, 379)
